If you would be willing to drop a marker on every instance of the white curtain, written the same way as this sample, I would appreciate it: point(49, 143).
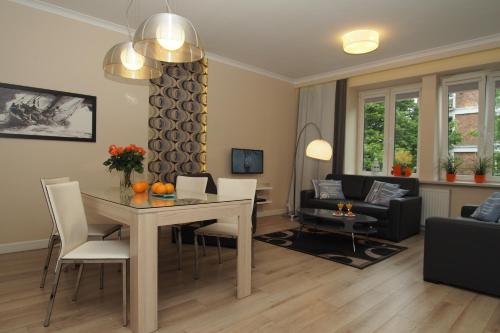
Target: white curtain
point(316, 105)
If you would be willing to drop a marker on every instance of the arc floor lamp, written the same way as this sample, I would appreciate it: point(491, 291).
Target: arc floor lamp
point(318, 149)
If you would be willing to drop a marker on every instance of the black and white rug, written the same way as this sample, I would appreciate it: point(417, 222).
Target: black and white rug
point(333, 246)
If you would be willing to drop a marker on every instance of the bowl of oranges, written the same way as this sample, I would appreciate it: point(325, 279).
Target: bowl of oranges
point(163, 190)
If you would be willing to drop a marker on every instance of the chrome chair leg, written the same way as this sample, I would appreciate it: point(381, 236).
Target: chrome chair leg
point(179, 247)
point(124, 292)
point(78, 279)
point(120, 234)
point(204, 245)
point(219, 250)
point(50, 247)
point(101, 283)
point(53, 294)
point(196, 264)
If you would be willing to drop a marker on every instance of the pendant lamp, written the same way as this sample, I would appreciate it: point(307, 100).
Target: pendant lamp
point(122, 60)
point(168, 37)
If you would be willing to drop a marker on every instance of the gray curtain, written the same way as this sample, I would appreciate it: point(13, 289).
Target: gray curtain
point(339, 130)
point(316, 105)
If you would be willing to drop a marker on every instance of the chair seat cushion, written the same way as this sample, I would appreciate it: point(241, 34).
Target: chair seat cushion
point(222, 229)
point(112, 249)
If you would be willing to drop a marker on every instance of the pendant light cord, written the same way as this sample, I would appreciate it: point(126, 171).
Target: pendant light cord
point(169, 10)
point(128, 18)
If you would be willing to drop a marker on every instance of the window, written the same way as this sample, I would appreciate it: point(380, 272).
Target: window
point(471, 121)
point(373, 132)
point(389, 136)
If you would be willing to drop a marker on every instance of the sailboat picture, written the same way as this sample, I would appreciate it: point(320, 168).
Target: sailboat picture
point(34, 113)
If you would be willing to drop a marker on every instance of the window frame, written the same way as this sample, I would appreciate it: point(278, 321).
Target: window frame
point(480, 78)
point(389, 96)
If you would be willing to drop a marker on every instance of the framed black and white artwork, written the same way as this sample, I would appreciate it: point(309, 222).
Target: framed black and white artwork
point(34, 113)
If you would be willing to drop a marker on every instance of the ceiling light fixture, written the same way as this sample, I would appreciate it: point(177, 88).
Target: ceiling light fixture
point(168, 37)
point(360, 41)
point(122, 60)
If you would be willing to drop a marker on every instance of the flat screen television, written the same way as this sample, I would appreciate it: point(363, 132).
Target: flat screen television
point(247, 161)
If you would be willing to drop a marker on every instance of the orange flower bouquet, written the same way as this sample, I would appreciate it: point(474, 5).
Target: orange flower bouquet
point(125, 159)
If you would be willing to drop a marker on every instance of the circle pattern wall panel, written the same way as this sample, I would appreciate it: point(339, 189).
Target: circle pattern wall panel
point(178, 121)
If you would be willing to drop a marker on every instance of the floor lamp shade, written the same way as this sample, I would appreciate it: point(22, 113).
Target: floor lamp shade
point(319, 149)
point(168, 37)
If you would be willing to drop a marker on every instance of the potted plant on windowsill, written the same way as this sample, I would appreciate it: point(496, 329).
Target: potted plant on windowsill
point(450, 165)
point(482, 166)
point(402, 163)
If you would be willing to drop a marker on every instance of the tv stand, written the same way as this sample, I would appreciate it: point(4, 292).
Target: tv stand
point(262, 194)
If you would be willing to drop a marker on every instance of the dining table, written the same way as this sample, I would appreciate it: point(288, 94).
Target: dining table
point(144, 213)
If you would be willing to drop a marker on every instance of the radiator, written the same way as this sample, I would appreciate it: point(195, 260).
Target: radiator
point(435, 202)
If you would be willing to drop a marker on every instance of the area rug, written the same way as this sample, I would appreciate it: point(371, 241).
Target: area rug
point(333, 246)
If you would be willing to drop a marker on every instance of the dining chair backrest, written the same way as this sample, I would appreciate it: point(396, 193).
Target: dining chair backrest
point(238, 188)
point(66, 202)
point(197, 185)
point(52, 181)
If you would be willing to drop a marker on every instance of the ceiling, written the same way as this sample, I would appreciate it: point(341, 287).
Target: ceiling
point(302, 38)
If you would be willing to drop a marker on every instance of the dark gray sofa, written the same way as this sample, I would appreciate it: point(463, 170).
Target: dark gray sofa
point(398, 221)
point(463, 252)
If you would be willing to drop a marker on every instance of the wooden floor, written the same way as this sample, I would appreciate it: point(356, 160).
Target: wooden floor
point(292, 292)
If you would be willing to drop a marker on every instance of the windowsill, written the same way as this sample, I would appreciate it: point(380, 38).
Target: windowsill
point(460, 183)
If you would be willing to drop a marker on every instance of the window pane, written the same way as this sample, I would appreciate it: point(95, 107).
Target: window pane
point(406, 130)
point(496, 137)
point(373, 134)
point(463, 130)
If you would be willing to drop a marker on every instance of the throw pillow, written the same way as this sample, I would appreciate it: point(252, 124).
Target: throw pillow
point(489, 210)
point(386, 194)
point(376, 188)
point(328, 189)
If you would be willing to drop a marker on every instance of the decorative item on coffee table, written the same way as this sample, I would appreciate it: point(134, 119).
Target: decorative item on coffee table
point(125, 159)
point(483, 164)
point(450, 165)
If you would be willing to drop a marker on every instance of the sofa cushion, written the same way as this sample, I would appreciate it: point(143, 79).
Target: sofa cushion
point(328, 189)
point(352, 185)
point(379, 212)
point(386, 194)
point(321, 203)
point(489, 210)
point(406, 183)
point(380, 190)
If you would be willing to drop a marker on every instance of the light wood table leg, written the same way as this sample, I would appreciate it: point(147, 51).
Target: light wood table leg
point(144, 274)
point(244, 265)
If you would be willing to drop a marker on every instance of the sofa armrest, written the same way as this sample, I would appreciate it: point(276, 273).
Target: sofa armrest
point(462, 253)
point(467, 210)
point(306, 195)
point(404, 214)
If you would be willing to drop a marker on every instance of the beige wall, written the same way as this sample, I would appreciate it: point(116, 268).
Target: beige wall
point(50, 51)
point(247, 110)
point(428, 75)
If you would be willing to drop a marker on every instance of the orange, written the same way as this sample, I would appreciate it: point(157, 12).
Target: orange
point(139, 198)
point(159, 188)
point(140, 187)
point(162, 203)
point(169, 188)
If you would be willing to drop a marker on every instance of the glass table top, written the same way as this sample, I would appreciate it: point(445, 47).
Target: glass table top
point(148, 200)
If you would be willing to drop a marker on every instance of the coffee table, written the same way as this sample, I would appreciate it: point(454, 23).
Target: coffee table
point(325, 220)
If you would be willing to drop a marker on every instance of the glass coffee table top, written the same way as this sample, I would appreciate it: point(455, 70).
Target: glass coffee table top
point(325, 219)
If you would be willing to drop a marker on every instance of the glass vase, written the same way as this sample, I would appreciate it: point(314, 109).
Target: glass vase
point(126, 182)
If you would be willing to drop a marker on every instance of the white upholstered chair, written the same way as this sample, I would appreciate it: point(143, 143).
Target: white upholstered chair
point(95, 231)
point(67, 207)
point(226, 227)
point(184, 186)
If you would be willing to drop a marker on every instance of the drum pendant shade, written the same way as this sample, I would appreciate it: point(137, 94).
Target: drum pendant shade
point(122, 60)
point(168, 37)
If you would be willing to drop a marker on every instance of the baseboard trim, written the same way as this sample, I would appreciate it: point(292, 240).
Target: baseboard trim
point(271, 212)
point(23, 246)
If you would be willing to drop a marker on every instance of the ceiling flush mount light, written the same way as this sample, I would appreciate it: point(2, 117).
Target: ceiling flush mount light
point(122, 60)
point(360, 41)
point(168, 37)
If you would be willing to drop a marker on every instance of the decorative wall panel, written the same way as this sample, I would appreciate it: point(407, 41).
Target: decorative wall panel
point(178, 121)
